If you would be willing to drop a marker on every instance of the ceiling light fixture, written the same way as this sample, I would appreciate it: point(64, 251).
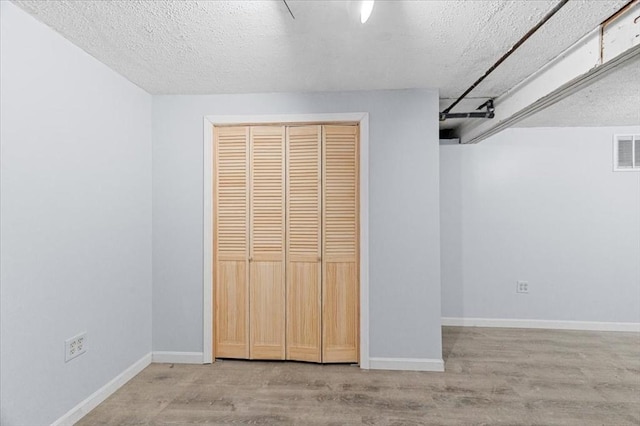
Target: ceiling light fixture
point(365, 10)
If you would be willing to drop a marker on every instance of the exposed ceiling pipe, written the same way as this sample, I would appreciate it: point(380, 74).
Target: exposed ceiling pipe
point(489, 113)
point(447, 114)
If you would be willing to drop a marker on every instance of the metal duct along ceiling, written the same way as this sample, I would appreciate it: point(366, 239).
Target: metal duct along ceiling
point(613, 44)
point(489, 104)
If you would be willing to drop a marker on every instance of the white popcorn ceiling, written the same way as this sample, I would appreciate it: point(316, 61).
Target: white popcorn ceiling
point(203, 47)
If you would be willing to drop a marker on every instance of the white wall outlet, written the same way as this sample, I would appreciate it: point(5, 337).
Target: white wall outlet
point(522, 287)
point(75, 346)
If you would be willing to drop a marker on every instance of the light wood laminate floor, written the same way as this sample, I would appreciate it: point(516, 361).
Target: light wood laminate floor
point(493, 377)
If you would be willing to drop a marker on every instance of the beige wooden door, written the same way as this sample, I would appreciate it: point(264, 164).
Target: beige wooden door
point(231, 244)
point(340, 289)
point(304, 240)
point(267, 243)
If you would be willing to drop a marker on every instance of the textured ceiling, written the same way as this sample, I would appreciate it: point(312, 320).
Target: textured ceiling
point(187, 47)
point(612, 101)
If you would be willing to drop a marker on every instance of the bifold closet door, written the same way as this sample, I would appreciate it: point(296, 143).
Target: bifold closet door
point(304, 239)
point(267, 243)
point(340, 290)
point(231, 244)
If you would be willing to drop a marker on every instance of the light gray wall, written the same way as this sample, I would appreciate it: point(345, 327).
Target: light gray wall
point(75, 221)
point(544, 206)
point(404, 213)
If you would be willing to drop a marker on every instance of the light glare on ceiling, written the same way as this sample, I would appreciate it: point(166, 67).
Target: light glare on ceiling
point(365, 10)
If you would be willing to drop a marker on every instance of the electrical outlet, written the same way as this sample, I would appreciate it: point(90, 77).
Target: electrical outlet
point(522, 287)
point(75, 346)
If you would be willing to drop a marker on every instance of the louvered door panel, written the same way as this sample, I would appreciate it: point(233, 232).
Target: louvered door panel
point(340, 292)
point(231, 232)
point(304, 219)
point(267, 253)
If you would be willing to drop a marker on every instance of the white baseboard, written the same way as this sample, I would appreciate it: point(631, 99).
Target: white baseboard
point(92, 401)
point(544, 324)
point(408, 364)
point(178, 357)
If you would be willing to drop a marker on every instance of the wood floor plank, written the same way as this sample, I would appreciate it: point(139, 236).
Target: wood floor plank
point(492, 377)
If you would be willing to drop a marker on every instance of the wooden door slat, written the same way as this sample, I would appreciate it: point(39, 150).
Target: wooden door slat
point(304, 240)
point(340, 273)
point(231, 246)
point(267, 243)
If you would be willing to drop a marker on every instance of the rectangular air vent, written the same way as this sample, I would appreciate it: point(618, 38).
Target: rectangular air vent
point(626, 153)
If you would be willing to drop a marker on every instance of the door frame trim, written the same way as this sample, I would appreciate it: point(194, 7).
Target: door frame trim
point(209, 121)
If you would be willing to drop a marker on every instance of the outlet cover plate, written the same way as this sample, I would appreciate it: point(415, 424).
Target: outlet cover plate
point(75, 346)
point(522, 287)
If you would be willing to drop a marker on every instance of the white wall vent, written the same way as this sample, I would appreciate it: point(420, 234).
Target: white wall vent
point(626, 153)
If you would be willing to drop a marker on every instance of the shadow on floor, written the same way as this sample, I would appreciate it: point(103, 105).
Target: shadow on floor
point(450, 336)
